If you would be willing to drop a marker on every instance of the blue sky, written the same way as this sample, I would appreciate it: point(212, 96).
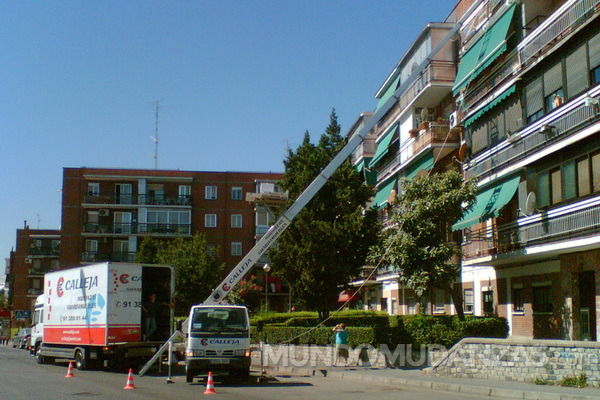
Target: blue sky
point(237, 81)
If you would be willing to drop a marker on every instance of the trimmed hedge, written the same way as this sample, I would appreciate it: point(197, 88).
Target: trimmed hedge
point(376, 328)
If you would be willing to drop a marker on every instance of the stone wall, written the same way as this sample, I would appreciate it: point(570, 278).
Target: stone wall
point(520, 360)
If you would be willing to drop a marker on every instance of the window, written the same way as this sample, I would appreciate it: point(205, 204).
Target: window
point(236, 193)
point(123, 193)
point(439, 303)
point(93, 189)
point(594, 57)
point(236, 248)
point(122, 222)
point(542, 299)
point(543, 190)
point(185, 193)
point(555, 186)
point(576, 71)
point(210, 192)
point(468, 301)
point(210, 220)
point(568, 180)
point(55, 245)
point(596, 171)
point(488, 302)
point(121, 250)
point(554, 100)
point(583, 177)
point(553, 92)
point(168, 221)
point(236, 220)
point(534, 98)
point(517, 297)
point(411, 306)
point(91, 246)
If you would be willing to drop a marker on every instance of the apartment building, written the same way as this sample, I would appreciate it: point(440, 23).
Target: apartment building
point(413, 137)
point(37, 251)
point(106, 213)
point(527, 90)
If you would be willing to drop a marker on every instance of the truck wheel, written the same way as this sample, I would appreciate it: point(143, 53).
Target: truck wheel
point(38, 357)
point(189, 376)
point(80, 363)
point(243, 374)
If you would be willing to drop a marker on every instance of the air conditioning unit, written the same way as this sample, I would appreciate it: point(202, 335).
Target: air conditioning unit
point(103, 212)
point(453, 119)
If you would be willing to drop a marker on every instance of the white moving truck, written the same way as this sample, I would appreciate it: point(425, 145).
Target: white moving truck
point(94, 315)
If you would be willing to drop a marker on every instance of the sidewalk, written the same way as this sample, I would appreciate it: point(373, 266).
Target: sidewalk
point(415, 378)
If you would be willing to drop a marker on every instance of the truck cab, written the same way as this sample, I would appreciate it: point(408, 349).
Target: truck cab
point(218, 341)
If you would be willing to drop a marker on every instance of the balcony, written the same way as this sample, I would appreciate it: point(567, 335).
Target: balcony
point(437, 73)
point(44, 251)
point(34, 292)
point(578, 220)
point(436, 135)
point(142, 199)
point(136, 228)
point(556, 126)
point(556, 27)
point(94, 256)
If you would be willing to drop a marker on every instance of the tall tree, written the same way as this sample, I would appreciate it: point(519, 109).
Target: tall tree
point(197, 270)
point(327, 243)
point(417, 241)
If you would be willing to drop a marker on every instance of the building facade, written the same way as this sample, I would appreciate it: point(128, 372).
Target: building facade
point(527, 96)
point(37, 251)
point(513, 100)
point(106, 213)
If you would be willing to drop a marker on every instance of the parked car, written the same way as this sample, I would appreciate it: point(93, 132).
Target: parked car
point(21, 339)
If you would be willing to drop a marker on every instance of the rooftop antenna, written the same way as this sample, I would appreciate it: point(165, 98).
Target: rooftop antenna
point(155, 137)
point(38, 220)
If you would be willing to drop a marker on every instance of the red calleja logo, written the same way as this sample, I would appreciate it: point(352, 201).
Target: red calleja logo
point(124, 278)
point(59, 287)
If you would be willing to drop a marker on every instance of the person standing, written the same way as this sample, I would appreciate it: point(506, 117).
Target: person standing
point(341, 344)
point(152, 309)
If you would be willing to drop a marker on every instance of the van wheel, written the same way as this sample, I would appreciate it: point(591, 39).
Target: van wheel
point(189, 376)
point(38, 357)
point(80, 360)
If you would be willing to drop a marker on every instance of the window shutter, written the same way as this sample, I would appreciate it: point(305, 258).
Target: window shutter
point(553, 79)
point(594, 51)
point(534, 96)
point(577, 72)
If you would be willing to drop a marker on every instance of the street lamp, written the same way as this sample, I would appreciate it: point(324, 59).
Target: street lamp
point(266, 268)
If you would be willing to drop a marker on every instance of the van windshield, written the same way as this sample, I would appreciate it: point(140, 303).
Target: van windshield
point(219, 320)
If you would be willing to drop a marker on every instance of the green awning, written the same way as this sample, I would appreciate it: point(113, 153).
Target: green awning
point(424, 163)
point(359, 167)
point(383, 145)
point(484, 51)
point(488, 203)
point(388, 93)
point(383, 194)
point(491, 105)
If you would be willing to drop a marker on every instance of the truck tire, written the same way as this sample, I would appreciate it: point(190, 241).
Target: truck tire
point(80, 361)
point(243, 374)
point(40, 359)
point(189, 376)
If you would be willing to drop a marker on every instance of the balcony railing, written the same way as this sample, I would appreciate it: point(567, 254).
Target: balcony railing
point(93, 256)
point(134, 228)
point(142, 199)
point(557, 126)
point(437, 72)
point(44, 251)
point(435, 135)
point(568, 222)
point(555, 28)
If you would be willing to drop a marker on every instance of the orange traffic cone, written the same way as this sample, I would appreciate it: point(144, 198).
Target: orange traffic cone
point(210, 386)
point(130, 384)
point(70, 371)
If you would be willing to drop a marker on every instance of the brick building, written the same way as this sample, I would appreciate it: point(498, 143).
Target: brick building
point(107, 212)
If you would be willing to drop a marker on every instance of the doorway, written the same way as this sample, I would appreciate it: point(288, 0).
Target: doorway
point(587, 305)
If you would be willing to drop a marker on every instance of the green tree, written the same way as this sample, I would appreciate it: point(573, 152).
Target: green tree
point(417, 242)
point(327, 243)
point(197, 270)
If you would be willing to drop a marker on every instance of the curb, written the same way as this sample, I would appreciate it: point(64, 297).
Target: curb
point(439, 386)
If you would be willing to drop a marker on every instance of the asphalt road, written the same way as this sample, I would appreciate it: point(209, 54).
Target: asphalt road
point(21, 378)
